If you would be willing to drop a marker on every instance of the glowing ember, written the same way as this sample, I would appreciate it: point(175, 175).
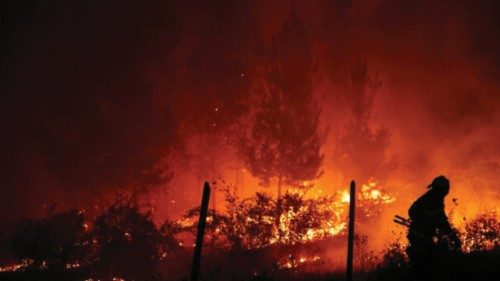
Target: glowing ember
point(73, 265)
point(294, 263)
point(15, 267)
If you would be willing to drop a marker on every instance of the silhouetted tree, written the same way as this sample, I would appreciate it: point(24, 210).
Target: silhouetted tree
point(360, 152)
point(285, 143)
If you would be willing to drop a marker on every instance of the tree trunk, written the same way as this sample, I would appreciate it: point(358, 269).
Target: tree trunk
point(280, 185)
point(278, 205)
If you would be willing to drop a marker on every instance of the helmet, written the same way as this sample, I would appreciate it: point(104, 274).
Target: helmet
point(440, 183)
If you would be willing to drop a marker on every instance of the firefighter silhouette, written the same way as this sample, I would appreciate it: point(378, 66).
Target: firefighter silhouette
point(432, 239)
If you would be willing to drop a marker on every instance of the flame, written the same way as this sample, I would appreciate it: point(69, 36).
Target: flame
point(291, 262)
point(368, 199)
point(333, 210)
point(369, 193)
point(17, 266)
point(346, 197)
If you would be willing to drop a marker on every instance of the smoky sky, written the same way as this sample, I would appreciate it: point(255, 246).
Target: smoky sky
point(96, 95)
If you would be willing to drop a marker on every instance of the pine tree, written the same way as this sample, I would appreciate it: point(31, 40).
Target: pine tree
point(360, 151)
point(285, 142)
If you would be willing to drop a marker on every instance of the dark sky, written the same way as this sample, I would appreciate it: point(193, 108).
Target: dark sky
point(96, 95)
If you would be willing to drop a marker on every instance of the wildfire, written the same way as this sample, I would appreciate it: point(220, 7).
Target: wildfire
point(294, 263)
point(369, 197)
point(27, 263)
point(369, 193)
point(345, 198)
point(15, 267)
point(304, 216)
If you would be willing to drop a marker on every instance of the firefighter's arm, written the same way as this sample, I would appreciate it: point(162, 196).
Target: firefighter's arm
point(445, 228)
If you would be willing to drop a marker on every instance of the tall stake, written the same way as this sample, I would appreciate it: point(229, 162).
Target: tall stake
point(350, 241)
point(195, 269)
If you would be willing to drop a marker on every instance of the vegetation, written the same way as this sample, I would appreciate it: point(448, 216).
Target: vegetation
point(123, 242)
point(51, 242)
point(251, 223)
point(482, 233)
point(285, 142)
point(361, 151)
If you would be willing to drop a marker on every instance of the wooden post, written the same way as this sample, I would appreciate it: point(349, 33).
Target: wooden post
point(195, 269)
point(350, 241)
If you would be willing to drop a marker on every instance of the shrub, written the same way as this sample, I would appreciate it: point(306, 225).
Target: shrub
point(126, 239)
point(482, 233)
point(51, 242)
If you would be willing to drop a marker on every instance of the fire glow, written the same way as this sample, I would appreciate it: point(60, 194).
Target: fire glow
point(328, 211)
point(285, 102)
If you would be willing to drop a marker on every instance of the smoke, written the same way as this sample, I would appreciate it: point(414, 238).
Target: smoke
point(79, 112)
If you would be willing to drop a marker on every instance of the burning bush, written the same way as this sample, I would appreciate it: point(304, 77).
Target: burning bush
point(306, 219)
point(254, 222)
point(123, 240)
point(482, 233)
point(250, 222)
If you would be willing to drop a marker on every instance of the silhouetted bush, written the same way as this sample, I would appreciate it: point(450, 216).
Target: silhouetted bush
point(480, 259)
point(126, 240)
point(51, 242)
point(482, 233)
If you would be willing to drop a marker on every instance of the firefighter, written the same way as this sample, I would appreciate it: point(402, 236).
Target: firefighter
point(430, 229)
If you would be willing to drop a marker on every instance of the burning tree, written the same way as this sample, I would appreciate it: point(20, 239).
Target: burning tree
point(285, 143)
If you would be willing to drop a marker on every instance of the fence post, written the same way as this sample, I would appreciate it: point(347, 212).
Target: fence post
point(350, 241)
point(195, 269)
